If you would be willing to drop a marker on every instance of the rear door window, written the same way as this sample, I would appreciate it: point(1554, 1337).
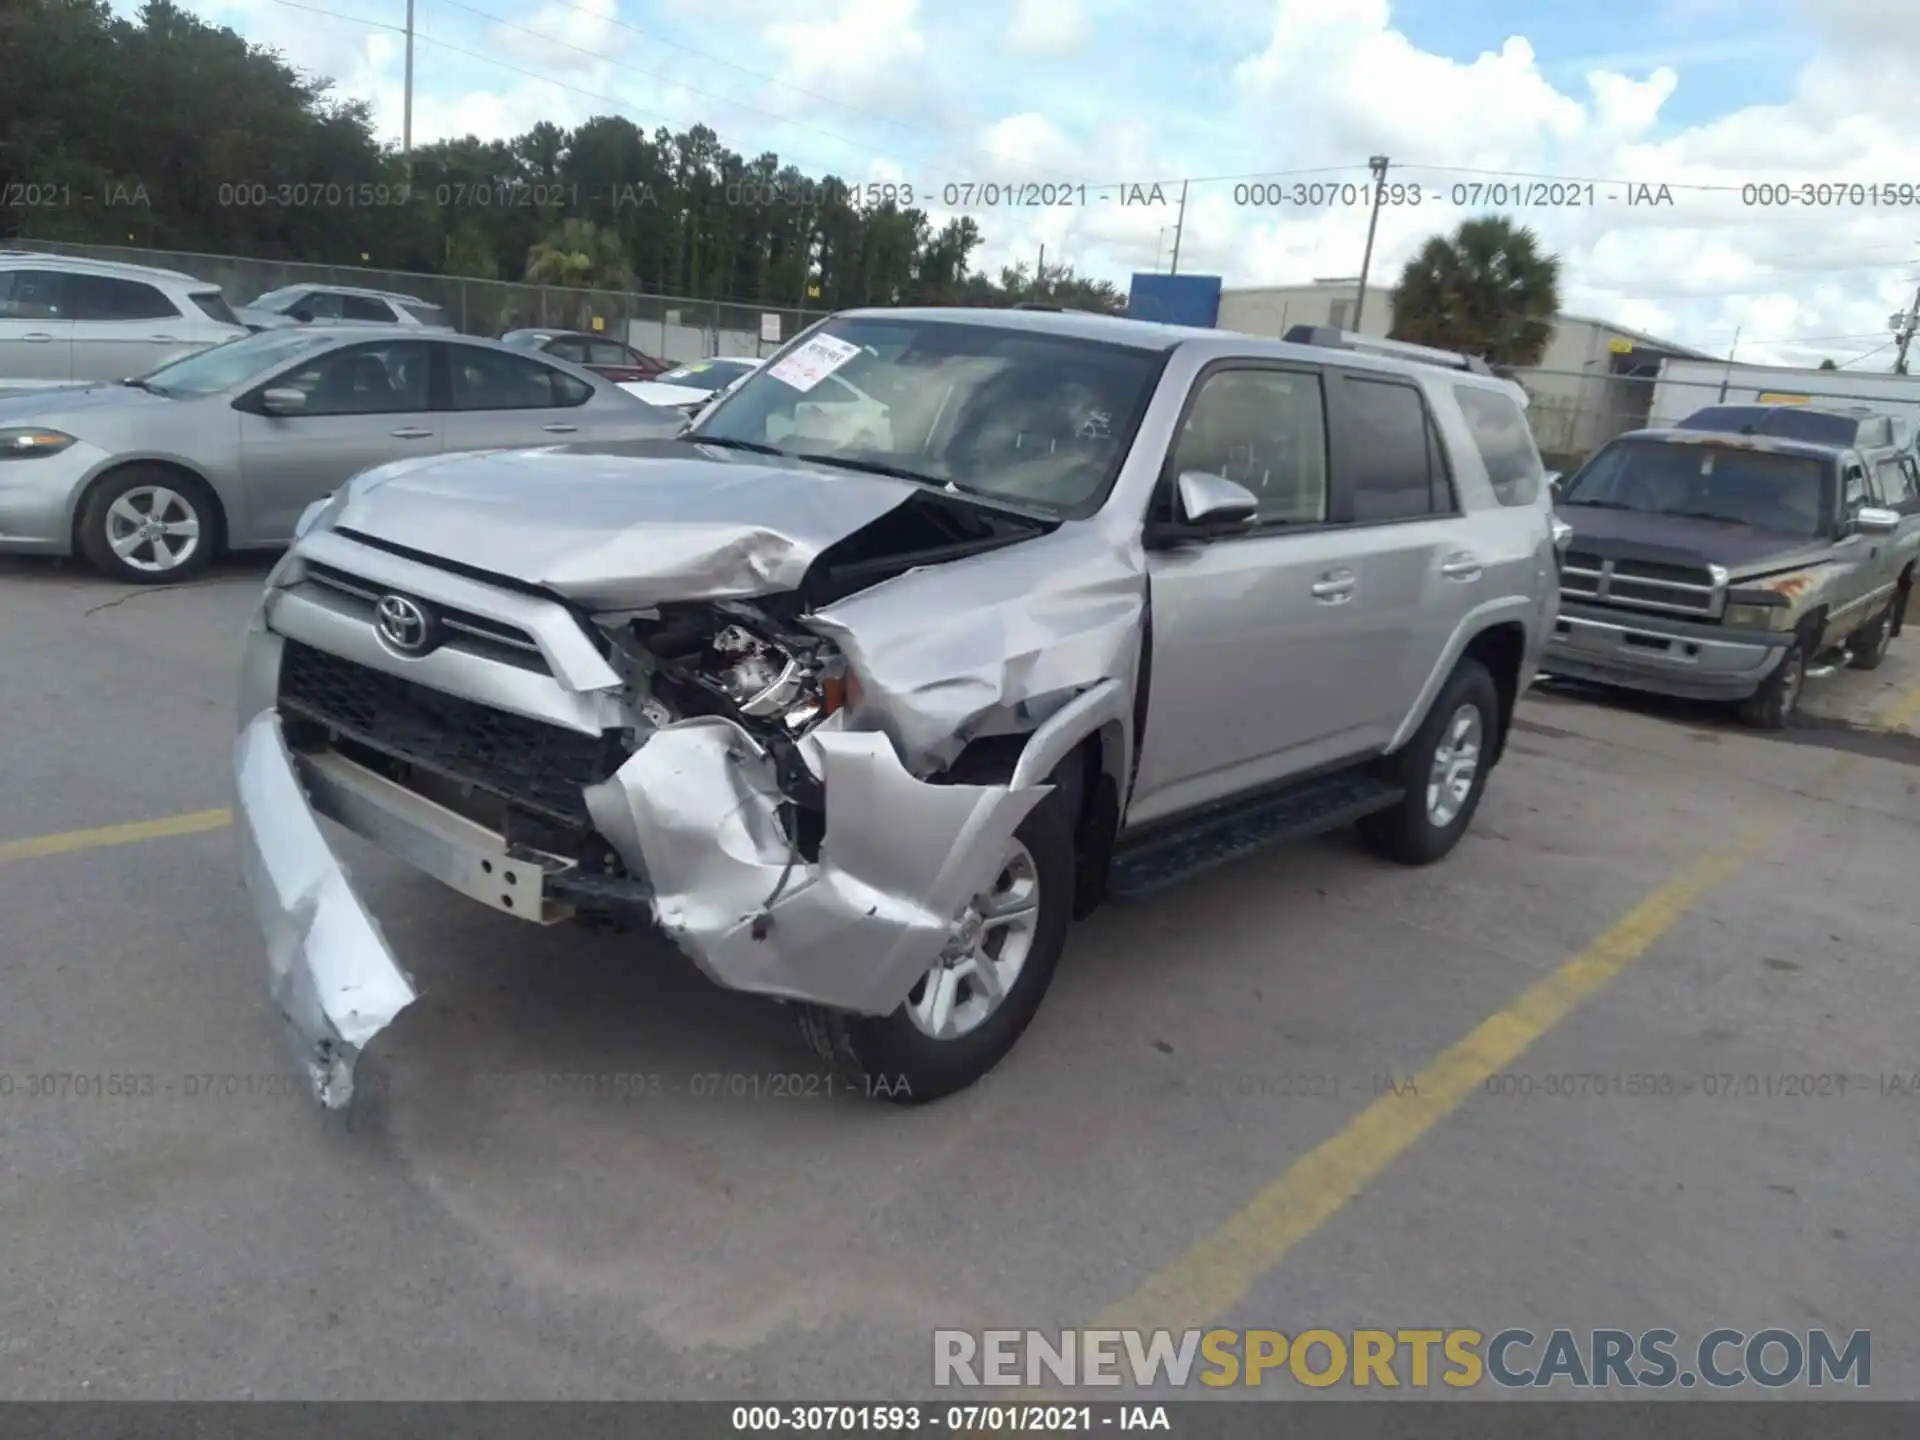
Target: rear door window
point(495, 380)
point(1383, 454)
point(365, 307)
point(105, 297)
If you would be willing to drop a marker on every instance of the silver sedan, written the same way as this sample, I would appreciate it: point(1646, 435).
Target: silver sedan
point(224, 450)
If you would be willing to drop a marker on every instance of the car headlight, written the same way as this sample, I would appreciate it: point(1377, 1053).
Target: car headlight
point(24, 442)
point(1753, 617)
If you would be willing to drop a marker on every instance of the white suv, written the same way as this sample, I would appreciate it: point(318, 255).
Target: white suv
point(65, 320)
point(337, 304)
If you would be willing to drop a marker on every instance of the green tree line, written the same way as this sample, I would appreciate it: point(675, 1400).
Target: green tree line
point(166, 132)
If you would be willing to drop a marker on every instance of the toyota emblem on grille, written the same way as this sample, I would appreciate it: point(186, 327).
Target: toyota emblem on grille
point(405, 625)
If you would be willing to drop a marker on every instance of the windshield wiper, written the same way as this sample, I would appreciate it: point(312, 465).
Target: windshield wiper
point(1710, 515)
point(146, 385)
point(871, 467)
point(727, 443)
point(1595, 504)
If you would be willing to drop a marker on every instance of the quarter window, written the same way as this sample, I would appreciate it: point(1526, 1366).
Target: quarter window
point(1896, 486)
point(1505, 442)
point(606, 352)
point(1267, 430)
point(495, 380)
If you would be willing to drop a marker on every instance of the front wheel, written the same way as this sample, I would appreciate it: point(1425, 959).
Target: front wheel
point(1443, 771)
point(1771, 707)
point(965, 1013)
point(148, 526)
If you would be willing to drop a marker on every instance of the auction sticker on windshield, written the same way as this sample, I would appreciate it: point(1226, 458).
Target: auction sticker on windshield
point(812, 362)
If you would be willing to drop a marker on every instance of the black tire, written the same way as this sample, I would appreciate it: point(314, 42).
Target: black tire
point(1409, 833)
point(1772, 706)
point(891, 1058)
point(1870, 643)
point(183, 499)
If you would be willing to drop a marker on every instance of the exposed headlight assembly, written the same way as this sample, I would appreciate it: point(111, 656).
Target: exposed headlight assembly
point(25, 442)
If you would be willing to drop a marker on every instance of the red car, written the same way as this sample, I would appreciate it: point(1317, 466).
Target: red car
point(599, 353)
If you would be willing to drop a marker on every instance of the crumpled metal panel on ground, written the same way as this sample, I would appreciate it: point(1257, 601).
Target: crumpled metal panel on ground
point(330, 973)
point(993, 644)
point(697, 804)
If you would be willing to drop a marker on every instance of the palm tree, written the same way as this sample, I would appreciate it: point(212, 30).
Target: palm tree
point(1487, 289)
point(1828, 365)
point(581, 254)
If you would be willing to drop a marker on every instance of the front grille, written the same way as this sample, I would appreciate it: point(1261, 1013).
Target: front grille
point(527, 763)
point(466, 631)
point(1641, 585)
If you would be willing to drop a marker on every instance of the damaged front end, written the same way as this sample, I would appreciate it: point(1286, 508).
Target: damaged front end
point(764, 777)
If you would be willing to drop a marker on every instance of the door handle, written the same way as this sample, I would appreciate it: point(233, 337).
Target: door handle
point(560, 429)
point(1334, 587)
point(39, 337)
point(411, 432)
point(1461, 567)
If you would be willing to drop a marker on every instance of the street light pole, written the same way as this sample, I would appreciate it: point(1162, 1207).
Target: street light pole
point(1173, 265)
point(406, 103)
point(1378, 165)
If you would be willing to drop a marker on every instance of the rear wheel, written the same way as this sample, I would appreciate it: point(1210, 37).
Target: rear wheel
point(967, 1012)
point(149, 526)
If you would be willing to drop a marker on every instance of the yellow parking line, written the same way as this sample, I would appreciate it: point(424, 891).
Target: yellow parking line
point(1219, 1271)
point(130, 833)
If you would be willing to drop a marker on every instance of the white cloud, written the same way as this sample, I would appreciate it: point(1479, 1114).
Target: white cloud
point(864, 51)
point(1047, 27)
point(567, 36)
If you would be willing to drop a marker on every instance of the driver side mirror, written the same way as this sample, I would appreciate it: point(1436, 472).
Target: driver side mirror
point(1555, 482)
point(1212, 502)
point(1872, 520)
point(284, 401)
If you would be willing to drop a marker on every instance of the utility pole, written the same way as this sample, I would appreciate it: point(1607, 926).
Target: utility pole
point(1903, 330)
point(406, 103)
point(1040, 275)
point(1726, 375)
point(1378, 165)
point(1173, 266)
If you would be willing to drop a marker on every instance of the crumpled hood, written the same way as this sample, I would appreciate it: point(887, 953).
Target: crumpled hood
point(621, 531)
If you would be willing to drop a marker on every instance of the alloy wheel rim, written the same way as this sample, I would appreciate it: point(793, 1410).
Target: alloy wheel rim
point(987, 949)
point(1456, 764)
point(153, 528)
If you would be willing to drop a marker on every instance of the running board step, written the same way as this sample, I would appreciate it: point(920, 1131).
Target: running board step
point(1215, 837)
point(1834, 660)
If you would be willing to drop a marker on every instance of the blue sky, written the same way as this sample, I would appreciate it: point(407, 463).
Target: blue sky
point(1704, 96)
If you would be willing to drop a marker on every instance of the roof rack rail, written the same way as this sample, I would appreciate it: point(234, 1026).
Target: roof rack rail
point(1328, 336)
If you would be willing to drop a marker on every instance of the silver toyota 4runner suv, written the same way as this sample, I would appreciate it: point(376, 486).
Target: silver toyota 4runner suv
point(861, 691)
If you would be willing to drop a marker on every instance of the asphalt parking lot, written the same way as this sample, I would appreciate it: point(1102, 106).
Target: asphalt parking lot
point(1193, 1131)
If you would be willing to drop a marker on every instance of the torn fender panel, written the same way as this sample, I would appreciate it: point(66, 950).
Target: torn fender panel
point(624, 532)
point(992, 645)
point(696, 808)
point(331, 975)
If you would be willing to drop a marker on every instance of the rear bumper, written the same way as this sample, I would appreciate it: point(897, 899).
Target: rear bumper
point(1664, 657)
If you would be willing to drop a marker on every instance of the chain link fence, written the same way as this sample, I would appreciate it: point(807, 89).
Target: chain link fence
point(676, 328)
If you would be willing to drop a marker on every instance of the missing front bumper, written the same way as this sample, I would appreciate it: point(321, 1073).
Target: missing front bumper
point(695, 810)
